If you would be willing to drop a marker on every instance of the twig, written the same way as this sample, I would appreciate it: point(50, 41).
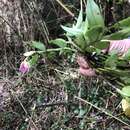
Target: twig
point(56, 104)
point(65, 8)
point(102, 110)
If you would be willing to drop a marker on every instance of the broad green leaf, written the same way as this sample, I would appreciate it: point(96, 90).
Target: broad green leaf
point(85, 26)
point(125, 23)
point(112, 61)
point(126, 80)
point(94, 34)
point(59, 42)
point(80, 41)
point(126, 91)
point(122, 34)
point(80, 18)
point(72, 31)
point(94, 16)
point(38, 45)
point(102, 45)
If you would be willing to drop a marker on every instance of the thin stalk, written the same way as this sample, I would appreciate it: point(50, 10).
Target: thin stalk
point(102, 110)
point(57, 49)
point(65, 8)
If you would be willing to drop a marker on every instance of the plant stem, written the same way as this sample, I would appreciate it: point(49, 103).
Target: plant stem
point(57, 49)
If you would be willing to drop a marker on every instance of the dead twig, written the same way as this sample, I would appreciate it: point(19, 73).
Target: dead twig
point(102, 110)
point(64, 103)
point(65, 8)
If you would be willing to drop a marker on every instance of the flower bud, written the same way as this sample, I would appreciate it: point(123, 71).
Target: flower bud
point(24, 67)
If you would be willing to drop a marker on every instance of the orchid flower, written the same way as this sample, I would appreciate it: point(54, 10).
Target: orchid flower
point(24, 67)
point(84, 68)
point(121, 47)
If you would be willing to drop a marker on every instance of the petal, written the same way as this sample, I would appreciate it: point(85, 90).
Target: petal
point(87, 72)
point(82, 62)
point(24, 67)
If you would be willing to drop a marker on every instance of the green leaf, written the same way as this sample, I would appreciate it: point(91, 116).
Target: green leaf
point(38, 45)
point(94, 34)
point(72, 31)
point(94, 16)
point(117, 72)
point(81, 113)
point(122, 34)
point(127, 55)
point(102, 45)
point(78, 28)
point(126, 80)
point(112, 61)
point(85, 26)
point(80, 41)
point(126, 91)
point(59, 42)
point(80, 18)
point(33, 60)
point(125, 23)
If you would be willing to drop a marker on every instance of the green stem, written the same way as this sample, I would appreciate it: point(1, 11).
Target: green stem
point(57, 49)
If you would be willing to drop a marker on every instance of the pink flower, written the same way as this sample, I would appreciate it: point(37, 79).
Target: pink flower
point(84, 68)
point(121, 47)
point(87, 72)
point(82, 62)
point(24, 67)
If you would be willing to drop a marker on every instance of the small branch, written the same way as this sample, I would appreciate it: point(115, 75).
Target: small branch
point(65, 8)
point(55, 104)
point(102, 110)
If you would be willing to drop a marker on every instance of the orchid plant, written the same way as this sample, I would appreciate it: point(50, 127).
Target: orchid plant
point(90, 37)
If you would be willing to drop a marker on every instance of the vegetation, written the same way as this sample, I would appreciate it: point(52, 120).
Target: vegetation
point(47, 92)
